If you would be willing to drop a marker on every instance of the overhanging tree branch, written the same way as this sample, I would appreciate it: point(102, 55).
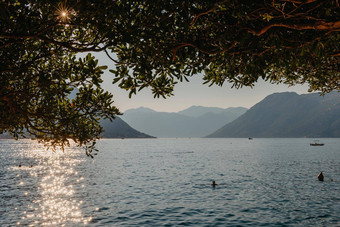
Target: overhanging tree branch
point(299, 2)
point(321, 26)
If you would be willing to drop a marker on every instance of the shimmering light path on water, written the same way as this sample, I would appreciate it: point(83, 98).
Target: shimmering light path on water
point(39, 187)
point(166, 182)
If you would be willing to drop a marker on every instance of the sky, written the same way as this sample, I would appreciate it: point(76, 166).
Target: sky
point(192, 93)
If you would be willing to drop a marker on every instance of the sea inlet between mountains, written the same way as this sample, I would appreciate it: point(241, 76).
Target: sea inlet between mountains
point(167, 182)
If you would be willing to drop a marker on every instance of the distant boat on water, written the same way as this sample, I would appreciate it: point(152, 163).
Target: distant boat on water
point(316, 143)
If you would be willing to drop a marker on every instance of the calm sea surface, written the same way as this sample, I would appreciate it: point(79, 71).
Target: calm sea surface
point(167, 182)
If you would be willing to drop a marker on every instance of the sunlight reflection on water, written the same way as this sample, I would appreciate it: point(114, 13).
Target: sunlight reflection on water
point(50, 186)
point(167, 182)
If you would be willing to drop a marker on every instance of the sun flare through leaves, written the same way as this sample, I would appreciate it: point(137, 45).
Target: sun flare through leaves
point(64, 12)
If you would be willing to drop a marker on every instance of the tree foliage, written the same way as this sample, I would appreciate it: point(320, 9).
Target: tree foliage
point(235, 41)
point(46, 90)
point(153, 44)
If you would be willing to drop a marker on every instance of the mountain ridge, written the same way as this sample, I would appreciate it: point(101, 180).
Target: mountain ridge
point(175, 124)
point(115, 129)
point(120, 129)
point(288, 115)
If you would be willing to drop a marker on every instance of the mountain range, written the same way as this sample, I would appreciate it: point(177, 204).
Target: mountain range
point(115, 129)
point(288, 115)
point(196, 121)
point(280, 115)
point(120, 129)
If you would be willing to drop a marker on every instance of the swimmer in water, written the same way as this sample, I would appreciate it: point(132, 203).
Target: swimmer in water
point(320, 176)
point(213, 183)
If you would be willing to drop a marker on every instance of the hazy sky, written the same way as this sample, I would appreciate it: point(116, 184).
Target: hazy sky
point(191, 93)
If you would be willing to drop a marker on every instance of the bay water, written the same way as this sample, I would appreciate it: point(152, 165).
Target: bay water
point(167, 182)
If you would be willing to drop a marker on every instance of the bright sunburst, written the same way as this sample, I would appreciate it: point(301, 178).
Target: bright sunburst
point(64, 12)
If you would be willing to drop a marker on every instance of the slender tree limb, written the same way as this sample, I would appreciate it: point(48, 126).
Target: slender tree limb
point(299, 2)
point(196, 16)
point(107, 54)
point(68, 45)
point(201, 14)
point(200, 49)
point(322, 26)
point(336, 54)
point(264, 51)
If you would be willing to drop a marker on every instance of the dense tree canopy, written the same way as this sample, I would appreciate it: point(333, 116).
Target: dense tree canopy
point(153, 44)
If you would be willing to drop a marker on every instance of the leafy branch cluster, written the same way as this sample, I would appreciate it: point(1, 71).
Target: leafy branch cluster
point(291, 42)
point(47, 91)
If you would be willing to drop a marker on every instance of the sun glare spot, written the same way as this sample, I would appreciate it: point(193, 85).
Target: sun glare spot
point(64, 13)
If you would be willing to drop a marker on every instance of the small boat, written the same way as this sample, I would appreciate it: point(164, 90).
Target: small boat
point(316, 143)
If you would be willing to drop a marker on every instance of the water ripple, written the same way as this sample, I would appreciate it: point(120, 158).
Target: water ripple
point(263, 182)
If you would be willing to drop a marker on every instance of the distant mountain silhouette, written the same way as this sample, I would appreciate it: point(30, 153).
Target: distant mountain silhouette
point(197, 111)
point(193, 122)
point(120, 129)
point(6, 136)
point(140, 110)
point(115, 129)
point(288, 115)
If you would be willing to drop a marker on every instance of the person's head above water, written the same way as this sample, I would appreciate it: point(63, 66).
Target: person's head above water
point(213, 183)
point(320, 176)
